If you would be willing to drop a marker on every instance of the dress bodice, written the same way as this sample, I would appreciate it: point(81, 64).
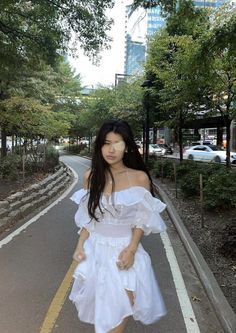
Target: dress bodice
point(133, 206)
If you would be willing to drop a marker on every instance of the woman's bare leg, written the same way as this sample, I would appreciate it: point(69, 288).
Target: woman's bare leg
point(121, 327)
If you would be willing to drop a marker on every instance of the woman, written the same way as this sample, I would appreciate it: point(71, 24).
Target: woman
point(114, 277)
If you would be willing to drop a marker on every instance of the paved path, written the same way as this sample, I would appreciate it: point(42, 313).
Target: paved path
point(36, 268)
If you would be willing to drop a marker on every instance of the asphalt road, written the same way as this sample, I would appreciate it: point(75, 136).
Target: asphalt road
point(35, 276)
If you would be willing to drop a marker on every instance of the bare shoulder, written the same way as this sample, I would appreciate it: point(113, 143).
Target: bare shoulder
point(85, 179)
point(139, 178)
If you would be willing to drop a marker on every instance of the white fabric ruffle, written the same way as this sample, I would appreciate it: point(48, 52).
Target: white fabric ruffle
point(134, 206)
point(79, 195)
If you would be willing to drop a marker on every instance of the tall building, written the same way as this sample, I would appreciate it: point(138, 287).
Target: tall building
point(154, 20)
point(142, 24)
point(209, 3)
point(134, 55)
point(139, 26)
point(135, 45)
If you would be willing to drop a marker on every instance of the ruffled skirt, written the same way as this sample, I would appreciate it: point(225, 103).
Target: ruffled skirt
point(99, 289)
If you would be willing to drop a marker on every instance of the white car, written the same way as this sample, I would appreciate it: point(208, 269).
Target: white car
point(155, 150)
point(208, 153)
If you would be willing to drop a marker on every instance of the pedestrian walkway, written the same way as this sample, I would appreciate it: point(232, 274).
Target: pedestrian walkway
point(36, 274)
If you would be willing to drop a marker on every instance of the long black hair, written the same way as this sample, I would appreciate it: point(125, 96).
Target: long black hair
point(99, 168)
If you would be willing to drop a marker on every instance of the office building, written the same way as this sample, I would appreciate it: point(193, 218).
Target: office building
point(134, 56)
point(154, 20)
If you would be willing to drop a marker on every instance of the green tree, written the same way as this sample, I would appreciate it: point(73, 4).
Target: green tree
point(35, 34)
point(187, 19)
point(173, 69)
point(217, 65)
point(167, 6)
point(128, 104)
point(96, 109)
point(68, 94)
point(55, 90)
point(29, 119)
point(121, 102)
point(170, 62)
point(46, 26)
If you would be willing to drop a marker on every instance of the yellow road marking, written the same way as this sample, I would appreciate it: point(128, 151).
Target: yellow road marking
point(58, 301)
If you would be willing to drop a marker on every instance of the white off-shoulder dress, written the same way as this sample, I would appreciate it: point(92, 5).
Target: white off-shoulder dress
point(99, 288)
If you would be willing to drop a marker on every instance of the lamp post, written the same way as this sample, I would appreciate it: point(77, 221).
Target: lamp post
point(146, 84)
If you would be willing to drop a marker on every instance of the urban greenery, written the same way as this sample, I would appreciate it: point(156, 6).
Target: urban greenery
point(191, 63)
point(123, 101)
point(38, 90)
point(219, 185)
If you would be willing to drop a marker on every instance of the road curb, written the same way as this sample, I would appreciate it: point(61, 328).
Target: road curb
point(223, 310)
point(20, 204)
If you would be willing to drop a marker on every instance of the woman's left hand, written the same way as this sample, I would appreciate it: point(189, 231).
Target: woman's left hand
point(125, 259)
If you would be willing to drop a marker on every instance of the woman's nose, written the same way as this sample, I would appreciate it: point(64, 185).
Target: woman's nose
point(111, 148)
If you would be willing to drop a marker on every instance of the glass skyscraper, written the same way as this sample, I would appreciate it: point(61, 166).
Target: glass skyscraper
point(209, 3)
point(139, 27)
point(136, 46)
point(134, 56)
point(154, 20)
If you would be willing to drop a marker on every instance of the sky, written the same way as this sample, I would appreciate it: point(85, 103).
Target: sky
point(112, 61)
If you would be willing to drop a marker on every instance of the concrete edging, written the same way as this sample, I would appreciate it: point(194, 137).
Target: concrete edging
point(20, 204)
point(223, 310)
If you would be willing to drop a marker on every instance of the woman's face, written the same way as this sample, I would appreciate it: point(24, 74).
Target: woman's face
point(113, 148)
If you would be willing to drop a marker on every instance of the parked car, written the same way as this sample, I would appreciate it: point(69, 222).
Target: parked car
point(208, 153)
point(207, 142)
point(166, 149)
point(155, 150)
point(140, 148)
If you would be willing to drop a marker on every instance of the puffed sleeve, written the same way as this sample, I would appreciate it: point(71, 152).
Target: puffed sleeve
point(148, 216)
point(82, 218)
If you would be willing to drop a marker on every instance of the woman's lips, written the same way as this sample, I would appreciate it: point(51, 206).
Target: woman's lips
point(109, 157)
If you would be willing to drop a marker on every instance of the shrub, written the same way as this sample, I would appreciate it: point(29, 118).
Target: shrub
point(150, 164)
point(9, 166)
point(85, 152)
point(32, 166)
point(188, 176)
point(220, 190)
point(189, 184)
point(185, 168)
point(51, 158)
point(76, 149)
point(164, 169)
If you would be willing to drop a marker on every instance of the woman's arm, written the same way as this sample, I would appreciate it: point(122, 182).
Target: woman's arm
point(79, 253)
point(126, 257)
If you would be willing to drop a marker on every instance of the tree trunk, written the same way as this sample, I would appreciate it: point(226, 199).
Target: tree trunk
point(219, 141)
point(144, 140)
point(4, 143)
point(154, 134)
point(228, 136)
point(180, 137)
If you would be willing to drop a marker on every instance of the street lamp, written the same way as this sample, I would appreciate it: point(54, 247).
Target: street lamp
point(146, 84)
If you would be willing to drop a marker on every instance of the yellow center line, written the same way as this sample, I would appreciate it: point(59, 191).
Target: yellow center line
point(58, 301)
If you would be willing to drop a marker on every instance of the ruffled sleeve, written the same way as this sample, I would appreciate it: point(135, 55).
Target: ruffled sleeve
point(82, 218)
point(148, 216)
